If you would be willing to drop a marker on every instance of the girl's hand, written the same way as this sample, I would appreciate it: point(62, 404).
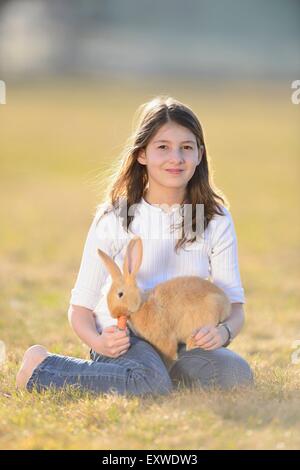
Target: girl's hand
point(210, 337)
point(112, 342)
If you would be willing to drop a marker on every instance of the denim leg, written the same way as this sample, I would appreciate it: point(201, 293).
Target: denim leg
point(140, 371)
point(221, 367)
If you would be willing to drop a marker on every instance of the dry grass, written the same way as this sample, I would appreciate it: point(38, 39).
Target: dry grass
point(56, 142)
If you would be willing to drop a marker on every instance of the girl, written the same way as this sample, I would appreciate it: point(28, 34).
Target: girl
point(164, 166)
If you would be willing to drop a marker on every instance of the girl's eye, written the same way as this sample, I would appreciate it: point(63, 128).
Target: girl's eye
point(185, 146)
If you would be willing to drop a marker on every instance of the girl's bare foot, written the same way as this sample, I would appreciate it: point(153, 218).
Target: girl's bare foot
point(31, 359)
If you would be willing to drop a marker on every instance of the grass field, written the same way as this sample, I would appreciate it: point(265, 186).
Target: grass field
point(56, 145)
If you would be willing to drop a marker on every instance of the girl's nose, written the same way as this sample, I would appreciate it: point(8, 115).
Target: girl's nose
point(176, 156)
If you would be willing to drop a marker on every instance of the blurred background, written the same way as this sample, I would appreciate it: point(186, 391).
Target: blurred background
point(150, 39)
point(75, 72)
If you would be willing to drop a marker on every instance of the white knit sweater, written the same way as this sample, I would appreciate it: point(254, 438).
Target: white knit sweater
point(214, 256)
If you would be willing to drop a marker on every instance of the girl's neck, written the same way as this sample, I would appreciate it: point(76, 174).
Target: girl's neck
point(167, 198)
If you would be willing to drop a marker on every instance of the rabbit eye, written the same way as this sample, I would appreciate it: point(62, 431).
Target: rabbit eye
point(120, 294)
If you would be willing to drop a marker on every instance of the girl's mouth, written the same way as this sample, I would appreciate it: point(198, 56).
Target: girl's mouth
point(174, 172)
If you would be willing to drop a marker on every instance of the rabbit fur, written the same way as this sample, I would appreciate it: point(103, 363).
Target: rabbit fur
point(168, 314)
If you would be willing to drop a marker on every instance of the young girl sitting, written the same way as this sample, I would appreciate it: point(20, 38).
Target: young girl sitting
point(164, 167)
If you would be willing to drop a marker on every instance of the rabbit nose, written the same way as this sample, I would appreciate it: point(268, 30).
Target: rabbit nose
point(120, 294)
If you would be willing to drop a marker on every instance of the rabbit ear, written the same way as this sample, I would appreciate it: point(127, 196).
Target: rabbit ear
point(111, 266)
point(133, 257)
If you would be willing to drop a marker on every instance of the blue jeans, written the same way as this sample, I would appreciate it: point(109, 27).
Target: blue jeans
point(141, 371)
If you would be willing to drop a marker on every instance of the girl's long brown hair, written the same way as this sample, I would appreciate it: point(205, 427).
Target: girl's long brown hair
point(130, 181)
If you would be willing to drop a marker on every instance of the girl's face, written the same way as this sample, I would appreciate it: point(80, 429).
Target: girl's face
point(173, 147)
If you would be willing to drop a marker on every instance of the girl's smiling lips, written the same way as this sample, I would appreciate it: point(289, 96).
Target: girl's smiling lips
point(174, 171)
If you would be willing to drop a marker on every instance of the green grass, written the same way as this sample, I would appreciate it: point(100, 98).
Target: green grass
point(57, 143)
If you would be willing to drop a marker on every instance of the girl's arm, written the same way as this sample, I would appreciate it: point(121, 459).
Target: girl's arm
point(225, 274)
point(83, 323)
point(237, 318)
point(111, 342)
point(211, 337)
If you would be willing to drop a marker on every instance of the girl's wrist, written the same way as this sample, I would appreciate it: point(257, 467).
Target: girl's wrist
point(96, 341)
point(225, 335)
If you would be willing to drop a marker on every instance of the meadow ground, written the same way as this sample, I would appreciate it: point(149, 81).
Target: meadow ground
point(57, 145)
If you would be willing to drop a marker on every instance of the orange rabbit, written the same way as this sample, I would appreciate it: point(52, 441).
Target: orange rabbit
point(169, 313)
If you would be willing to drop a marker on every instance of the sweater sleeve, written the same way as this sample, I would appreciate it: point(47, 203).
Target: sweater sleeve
point(224, 258)
point(92, 272)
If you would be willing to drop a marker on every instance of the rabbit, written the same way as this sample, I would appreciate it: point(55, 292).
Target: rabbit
point(168, 314)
